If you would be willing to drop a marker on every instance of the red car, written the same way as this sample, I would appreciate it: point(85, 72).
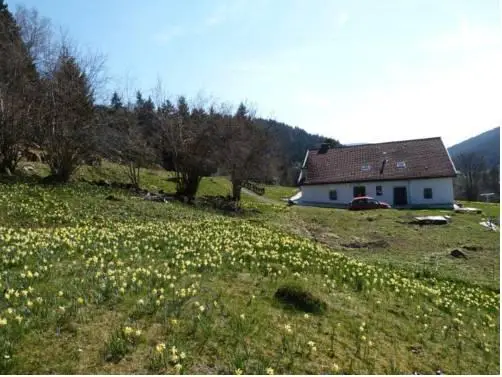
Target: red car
point(366, 202)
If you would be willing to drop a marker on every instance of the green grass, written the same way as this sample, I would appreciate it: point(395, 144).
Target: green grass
point(150, 179)
point(279, 192)
point(78, 269)
point(416, 248)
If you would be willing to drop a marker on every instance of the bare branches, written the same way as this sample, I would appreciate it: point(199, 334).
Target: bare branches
point(37, 34)
point(472, 168)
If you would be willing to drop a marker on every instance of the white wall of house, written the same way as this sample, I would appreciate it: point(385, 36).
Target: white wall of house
point(442, 192)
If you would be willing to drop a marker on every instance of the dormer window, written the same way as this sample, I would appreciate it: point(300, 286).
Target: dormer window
point(366, 167)
point(401, 164)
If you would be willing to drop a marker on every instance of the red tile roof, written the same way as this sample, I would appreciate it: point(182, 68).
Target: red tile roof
point(424, 158)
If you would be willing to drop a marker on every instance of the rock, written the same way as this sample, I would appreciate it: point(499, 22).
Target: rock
point(458, 254)
point(430, 220)
point(157, 198)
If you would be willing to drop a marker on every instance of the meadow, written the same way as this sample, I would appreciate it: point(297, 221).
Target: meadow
point(92, 285)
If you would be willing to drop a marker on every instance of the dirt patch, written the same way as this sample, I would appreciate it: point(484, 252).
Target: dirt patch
point(458, 254)
point(378, 244)
point(300, 299)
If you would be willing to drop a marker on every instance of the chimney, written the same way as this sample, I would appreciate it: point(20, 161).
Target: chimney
point(324, 148)
point(383, 166)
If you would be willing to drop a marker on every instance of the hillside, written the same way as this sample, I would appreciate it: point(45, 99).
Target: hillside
point(129, 286)
point(486, 144)
point(293, 141)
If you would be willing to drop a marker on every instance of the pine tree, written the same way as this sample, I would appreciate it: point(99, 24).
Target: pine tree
point(242, 112)
point(116, 102)
point(139, 100)
point(145, 112)
point(70, 127)
point(18, 80)
point(183, 109)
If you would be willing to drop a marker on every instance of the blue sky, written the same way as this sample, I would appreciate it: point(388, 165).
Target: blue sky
point(355, 70)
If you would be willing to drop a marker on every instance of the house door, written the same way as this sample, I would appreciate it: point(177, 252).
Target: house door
point(359, 191)
point(400, 196)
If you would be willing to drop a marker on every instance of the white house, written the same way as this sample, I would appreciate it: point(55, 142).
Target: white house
point(407, 174)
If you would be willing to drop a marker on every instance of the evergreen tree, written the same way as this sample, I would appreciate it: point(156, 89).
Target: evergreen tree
point(183, 109)
point(139, 100)
point(18, 80)
point(116, 102)
point(69, 127)
point(167, 108)
point(242, 112)
point(145, 113)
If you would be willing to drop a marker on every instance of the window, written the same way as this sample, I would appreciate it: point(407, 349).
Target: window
point(333, 195)
point(366, 167)
point(401, 164)
point(427, 193)
point(359, 191)
point(379, 191)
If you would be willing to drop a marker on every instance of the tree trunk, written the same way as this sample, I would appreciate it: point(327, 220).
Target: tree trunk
point(8, 166)
point(236, 189)
point(188, 185)
point(133, 173)
point(10, 159)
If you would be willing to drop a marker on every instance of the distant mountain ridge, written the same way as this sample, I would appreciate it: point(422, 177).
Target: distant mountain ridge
point(486, 144)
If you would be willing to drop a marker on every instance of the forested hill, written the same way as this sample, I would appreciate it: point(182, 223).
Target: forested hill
point(486, 145)
point(293, 141)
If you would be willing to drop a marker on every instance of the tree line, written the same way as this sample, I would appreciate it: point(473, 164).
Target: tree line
point(48, 100)
point(476, 177)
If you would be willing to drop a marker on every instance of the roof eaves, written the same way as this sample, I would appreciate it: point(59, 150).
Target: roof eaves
point(332, 182)
point(451, 160)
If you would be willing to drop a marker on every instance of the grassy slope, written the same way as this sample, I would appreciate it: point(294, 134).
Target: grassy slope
point(279, 192)
point(417, 248)
point(156, 179)
point(151, 179)
point(88, 247)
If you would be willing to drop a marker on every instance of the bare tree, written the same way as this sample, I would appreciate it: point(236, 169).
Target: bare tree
point(245, 150)
point(187, 145)
point(121, 139)
point(472, 167)
point(37, 34)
